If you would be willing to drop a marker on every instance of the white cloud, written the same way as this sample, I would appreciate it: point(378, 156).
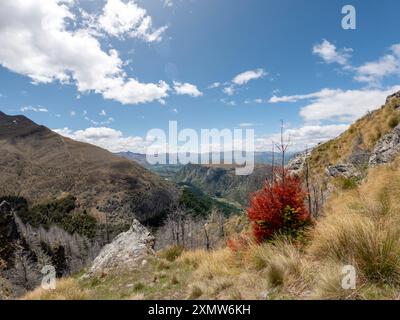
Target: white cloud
point(107, 138)
point(342, 105)
point(303, 137)
point(72, 113)
point(99, 123)
point(373, 72)
point(186, 89)
point(119, 19)
point(295, 98)
point(37, 109)
point(36, 41)
point(230, 91)
point(258, 101)
point(247, 76)
point(214, 85)
point(329, 53)
point(103, 113)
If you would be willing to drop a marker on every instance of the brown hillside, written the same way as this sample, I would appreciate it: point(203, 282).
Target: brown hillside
point(37, 163)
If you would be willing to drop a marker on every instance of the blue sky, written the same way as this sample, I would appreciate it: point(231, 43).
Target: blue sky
point(99, 71)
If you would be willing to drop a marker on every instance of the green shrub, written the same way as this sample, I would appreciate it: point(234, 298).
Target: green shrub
point(348, 183)
point(172, 253)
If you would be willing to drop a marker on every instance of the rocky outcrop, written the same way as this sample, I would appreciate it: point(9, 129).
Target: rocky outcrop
point(346, 170)
point(387, 148)
point(296, 164)
point(128, 250)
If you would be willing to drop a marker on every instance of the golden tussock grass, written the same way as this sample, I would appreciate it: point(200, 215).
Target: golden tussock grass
point(67, 289)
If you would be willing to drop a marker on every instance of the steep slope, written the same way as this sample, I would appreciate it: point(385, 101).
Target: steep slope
point(37, 163)
point(356, 145)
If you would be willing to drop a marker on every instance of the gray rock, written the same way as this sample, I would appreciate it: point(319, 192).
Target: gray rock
point(296, 164)
point(387, 148)
point(346, 170)
point(126, 251)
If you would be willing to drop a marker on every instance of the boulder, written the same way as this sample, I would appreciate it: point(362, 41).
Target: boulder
point(128, 250)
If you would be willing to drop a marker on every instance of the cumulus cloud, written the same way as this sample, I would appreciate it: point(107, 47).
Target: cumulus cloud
point(303, 137)
point(337, 104)
point(330, 54)
point(33, 109)
point(128, 19)
point(187, 89)
point(36, 41)
point(247, 76)
point(373, 72)
point(107, 138)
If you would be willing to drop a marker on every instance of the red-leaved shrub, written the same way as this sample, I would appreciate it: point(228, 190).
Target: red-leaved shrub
point(278, 207)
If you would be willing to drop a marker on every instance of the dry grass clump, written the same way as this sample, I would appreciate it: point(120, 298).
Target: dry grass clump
point(281, 259)
point(67, 289)
point(373, 247)
point(217, 264)
point(362, 227)
point(195, 292)
point(328, 283)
